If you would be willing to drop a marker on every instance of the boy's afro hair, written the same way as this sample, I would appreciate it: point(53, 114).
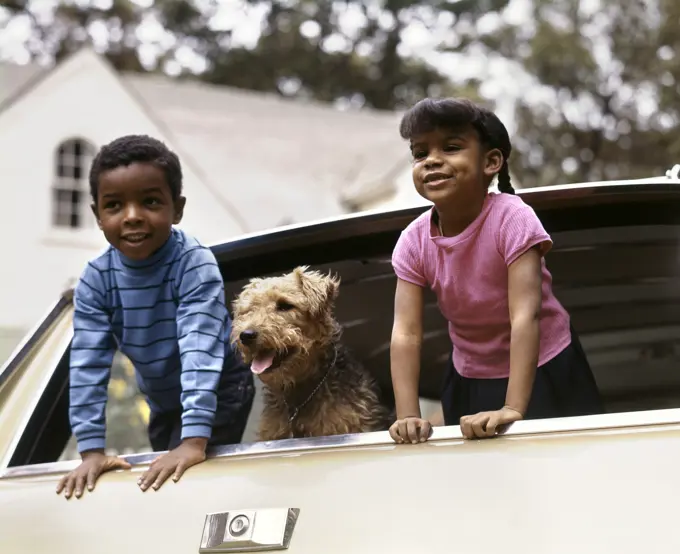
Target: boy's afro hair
point(129, 149)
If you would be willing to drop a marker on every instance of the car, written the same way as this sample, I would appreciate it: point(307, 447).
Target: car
point(604, 483)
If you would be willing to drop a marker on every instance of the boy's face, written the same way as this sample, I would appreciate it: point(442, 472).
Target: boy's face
point(135, 209)
point(450, 165)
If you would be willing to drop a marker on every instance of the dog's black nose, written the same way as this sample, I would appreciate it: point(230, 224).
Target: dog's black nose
point(248, 336)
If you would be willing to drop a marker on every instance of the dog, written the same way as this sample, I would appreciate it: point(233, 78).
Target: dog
point(285, 329)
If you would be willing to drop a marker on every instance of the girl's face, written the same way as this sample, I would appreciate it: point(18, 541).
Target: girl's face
point(451, 166)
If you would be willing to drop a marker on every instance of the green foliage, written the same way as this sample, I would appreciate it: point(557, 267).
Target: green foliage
point(606, 79)
point(609, 83)
point(303, 50)
point(294, 56)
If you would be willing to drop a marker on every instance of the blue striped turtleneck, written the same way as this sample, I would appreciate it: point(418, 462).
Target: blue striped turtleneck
point(167, 314)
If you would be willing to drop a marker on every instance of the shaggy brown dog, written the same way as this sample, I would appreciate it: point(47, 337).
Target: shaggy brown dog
point(284, 327)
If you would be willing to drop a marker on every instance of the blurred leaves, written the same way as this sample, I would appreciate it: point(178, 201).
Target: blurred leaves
point(127, 414)
point(602, 78)
point(303, 49)
point(604, 102)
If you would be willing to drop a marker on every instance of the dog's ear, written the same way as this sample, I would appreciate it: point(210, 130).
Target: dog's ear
point(320, 290)
point(237, 305)
point(240, 301)
point(333, 285)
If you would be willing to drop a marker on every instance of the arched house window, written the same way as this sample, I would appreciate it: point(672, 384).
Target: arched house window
point(71, 204)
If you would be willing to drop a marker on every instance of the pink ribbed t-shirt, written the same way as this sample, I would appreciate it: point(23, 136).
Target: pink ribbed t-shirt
point(469, 275)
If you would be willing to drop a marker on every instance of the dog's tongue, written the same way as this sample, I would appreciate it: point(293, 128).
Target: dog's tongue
point(262, 363)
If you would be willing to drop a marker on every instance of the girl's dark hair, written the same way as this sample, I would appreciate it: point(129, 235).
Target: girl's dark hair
point(454, 113)
point(137, 149)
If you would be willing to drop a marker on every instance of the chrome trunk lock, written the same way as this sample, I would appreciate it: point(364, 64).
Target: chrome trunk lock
point(239, 525)
point(248, 530)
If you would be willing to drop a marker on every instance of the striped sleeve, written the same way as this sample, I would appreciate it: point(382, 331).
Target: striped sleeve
point(201, 319)
point(92, 351)
point(407, 259)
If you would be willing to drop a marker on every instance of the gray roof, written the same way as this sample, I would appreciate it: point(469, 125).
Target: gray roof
point(306, 155)
point(14, 80)
point(275, 159)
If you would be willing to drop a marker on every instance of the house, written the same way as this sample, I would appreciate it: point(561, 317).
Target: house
point(250, 160)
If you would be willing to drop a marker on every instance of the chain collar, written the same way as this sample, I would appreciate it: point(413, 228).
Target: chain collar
point(296, 409)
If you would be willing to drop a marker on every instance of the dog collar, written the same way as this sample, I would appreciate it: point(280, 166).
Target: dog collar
point(296, 409)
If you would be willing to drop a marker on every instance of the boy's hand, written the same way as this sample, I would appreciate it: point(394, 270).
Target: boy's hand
point(485, 424)
point(410, 429)
point(94, 463)
point(175, 463)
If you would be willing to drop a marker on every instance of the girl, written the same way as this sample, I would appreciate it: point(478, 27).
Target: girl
point(482, 254)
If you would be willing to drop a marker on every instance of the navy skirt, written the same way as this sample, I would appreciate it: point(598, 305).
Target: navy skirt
point(563, 387)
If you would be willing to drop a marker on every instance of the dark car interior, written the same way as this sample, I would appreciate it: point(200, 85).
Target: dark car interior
point(615, 265)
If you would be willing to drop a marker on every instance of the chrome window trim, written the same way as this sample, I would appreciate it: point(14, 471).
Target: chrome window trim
point(26, 417)
point(32, 337)
point(543, 428)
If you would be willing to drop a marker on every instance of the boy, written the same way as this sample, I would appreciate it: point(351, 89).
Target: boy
point(157, 295)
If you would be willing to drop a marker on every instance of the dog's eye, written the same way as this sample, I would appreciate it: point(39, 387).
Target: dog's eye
point(284, 306)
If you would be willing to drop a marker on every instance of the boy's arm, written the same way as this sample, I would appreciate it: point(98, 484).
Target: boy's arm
point(201, 320)
point(92, 351)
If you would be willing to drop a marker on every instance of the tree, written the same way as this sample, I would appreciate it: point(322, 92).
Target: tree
point(609, 79)
point(66, 27)
point(306, 48)
point(306, 51)
point(605, 77)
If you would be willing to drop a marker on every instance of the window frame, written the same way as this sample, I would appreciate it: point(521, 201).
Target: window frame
point(77, 209)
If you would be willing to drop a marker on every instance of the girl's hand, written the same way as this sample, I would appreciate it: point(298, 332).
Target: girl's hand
point(189, 453)
point(485, 424)
point(410, 430)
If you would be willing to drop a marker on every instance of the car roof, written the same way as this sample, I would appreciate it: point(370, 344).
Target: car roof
point(613, 267)
point(370, 221)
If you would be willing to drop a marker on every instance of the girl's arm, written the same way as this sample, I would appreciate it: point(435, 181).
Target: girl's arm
point(524, 299)
point(407, 338)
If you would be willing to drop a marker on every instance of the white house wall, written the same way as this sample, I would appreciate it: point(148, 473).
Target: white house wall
point(404, 195)
point(81, 98)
